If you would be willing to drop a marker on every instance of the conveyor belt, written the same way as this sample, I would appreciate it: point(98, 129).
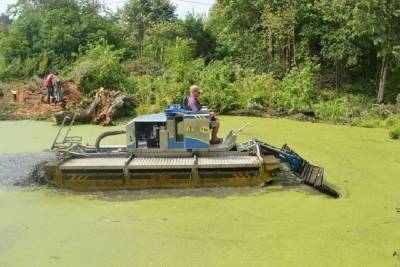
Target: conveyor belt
point(228, 162)
point(161, 163)
point(93, 163)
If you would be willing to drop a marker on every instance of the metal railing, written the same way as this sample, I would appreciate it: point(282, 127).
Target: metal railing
point(67, 141)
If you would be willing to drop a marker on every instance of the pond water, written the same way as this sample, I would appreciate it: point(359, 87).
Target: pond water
point(41, 226)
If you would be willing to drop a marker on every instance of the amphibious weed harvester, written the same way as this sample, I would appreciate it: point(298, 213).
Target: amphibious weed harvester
point(172, 150)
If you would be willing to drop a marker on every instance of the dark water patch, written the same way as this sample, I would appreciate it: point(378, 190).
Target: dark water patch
point(22, 169)
point(160, 193)
point(199, 192)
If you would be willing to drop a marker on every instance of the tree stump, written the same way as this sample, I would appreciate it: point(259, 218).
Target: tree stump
point(105, 106)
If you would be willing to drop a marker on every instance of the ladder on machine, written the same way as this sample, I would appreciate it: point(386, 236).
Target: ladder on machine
point(67, 141)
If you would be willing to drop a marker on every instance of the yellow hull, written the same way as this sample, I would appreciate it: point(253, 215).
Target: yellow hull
point(100, 178)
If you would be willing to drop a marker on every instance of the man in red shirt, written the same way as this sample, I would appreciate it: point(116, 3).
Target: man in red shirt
point(48, 83)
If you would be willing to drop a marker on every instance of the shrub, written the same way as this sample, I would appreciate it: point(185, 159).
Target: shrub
point(11, 69)
point(333, 110)
point(258, 91)
point(296, 91)
point(395, 133)
point(392, 121)
point(143, 66)
point(101, 67)
point(153, 93)
point(298, 88)
point(370, 123)
point(357, 109)
point(218, 81)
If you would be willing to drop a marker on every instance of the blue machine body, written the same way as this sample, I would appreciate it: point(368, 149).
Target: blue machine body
point(285, 154)
point(176, 128)
point(291, 158)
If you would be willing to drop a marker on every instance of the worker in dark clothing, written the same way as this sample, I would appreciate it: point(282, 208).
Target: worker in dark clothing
point(194, 104)
point(57, 89)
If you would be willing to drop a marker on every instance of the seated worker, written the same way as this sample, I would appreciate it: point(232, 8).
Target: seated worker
point(194, 104)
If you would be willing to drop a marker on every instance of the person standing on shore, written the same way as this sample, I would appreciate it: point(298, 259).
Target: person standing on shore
point(48, 83)
point(57, 89)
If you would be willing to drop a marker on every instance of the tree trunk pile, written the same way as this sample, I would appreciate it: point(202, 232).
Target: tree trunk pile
point(105, 106)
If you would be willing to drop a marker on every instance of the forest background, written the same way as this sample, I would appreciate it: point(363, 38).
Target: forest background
point(337, 58)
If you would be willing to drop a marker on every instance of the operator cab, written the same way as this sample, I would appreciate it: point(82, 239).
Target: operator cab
point(176, 128)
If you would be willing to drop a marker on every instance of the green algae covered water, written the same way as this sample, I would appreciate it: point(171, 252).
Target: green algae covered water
point(43, 226)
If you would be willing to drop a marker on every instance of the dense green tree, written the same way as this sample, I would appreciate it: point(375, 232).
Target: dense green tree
point(5, 21)
point(338, 41)
point(160, 37)
point(100, 67)
point(140, 15)
point(46, 35)
point(379, 21)
point(355, 44)
point(261, 34)
point(194, 29)
point(235, 25)
point(357, 30)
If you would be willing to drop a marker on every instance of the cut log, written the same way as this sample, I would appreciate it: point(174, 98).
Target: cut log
point(106, 105)
point(81, 117)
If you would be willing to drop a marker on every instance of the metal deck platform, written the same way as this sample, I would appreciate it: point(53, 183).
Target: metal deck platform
point(161, 163)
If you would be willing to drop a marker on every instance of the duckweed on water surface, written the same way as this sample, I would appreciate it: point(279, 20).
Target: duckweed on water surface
point(221, 227)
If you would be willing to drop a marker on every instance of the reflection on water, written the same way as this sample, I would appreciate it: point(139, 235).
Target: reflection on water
point(210, 192)
point(283, 182)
